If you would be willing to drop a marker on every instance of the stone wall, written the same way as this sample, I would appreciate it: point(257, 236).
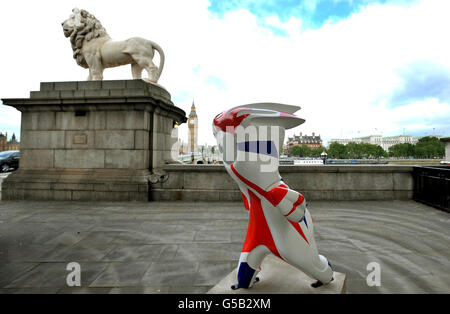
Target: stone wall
point(95, 140)
point(343, 182)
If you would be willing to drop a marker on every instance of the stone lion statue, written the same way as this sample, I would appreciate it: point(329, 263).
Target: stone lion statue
point(93, 49)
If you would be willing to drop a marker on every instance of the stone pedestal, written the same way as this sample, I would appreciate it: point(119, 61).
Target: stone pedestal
point(278, 277)
point(92, 140)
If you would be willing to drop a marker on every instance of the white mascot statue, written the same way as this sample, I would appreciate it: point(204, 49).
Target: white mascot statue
point(93, 49)
point(250, 138)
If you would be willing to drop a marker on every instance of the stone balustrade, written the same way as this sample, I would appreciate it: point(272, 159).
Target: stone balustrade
point(343, 182)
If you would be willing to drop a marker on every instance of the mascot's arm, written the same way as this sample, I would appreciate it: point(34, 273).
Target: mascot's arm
point(290, 203)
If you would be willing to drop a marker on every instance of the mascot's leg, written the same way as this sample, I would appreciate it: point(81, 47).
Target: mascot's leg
point(136, 71)
point(306, 256)
point(249, 266)
point(326, 273)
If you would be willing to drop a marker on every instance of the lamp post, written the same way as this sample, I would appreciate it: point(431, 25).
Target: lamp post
point(324, 157)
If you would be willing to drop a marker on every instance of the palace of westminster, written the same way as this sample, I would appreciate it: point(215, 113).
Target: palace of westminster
point(12, 144)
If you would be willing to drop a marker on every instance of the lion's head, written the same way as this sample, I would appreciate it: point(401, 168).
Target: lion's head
point(81, 26)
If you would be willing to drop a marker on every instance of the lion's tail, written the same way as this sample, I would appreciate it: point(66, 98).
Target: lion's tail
point(161, 58)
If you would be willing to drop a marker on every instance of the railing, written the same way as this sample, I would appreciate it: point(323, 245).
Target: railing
point(432, 186)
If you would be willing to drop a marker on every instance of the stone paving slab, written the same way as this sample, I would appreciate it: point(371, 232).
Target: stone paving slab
point(188, 247)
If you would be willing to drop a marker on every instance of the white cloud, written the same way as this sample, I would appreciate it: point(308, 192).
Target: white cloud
point(341, 74)
point(8, 118)
point(426, 109)
point(291, 27)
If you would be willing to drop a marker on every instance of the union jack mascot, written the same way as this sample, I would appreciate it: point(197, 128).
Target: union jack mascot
point(250, 138)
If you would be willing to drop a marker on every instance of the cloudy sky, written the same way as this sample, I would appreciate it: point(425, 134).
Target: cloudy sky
point(356, 67)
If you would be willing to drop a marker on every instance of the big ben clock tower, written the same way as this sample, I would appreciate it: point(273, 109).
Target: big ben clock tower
point(193, 130)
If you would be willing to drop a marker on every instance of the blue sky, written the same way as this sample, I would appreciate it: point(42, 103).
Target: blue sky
point(313, 13)
point(422, 80)
point(356, 67)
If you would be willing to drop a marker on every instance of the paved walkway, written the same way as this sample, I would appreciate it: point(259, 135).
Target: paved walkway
point(179, 247)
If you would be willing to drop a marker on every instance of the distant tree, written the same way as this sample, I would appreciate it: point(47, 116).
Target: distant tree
point(354, 150)
point(402, 150)
point(429, 147)
point(295, 150)
point(375, 151)
point(337, 150)
point(364, 150)
point(380, 152)
point(317, 151)
point(305, 151)
point(301, 151)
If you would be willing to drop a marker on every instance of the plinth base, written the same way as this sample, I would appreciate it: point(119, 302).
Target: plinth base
point(278, 277)
point(92, 140)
